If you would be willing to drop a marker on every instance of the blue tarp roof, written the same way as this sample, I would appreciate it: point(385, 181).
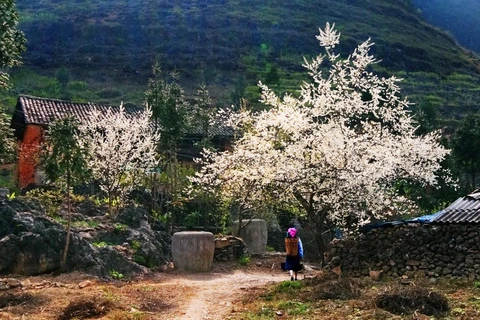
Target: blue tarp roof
point(388, 224)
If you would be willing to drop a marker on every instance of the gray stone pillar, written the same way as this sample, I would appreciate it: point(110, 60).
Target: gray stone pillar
point(254, 234)
point(193, 250)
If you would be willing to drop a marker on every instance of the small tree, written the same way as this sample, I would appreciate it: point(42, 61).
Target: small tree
point(12, 40)
point(121, 147)
point(170, 116)
point(336, 151)
point(7, 141)
point(12, 44)
point(64, 162)
point(204, 113)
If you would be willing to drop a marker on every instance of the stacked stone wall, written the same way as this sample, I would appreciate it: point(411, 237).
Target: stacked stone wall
point(448, 250)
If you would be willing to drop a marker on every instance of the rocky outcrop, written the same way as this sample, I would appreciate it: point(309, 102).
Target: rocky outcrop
point(32, 243)
point(148, 243)
point(448, 250)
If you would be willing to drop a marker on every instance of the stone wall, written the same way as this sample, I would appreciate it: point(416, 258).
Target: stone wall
point(229, 248)
point(449, 250)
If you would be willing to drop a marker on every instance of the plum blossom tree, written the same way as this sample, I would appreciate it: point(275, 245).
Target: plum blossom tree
point(334, 151)
point(121, 146)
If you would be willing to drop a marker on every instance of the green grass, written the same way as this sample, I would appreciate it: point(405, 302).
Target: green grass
point(85, 224)
point(7, 180)
point(244, 261)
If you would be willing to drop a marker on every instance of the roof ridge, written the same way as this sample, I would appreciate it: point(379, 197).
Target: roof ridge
point(66, 101)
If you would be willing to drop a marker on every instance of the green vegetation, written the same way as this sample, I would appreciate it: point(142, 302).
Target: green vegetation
point(136, 245)
point(244, 261)
point(7, 180)
point(100, 244)
point(64, 162)
point(116, 275)
point(229, 46)
point(120, 227)
point(102, 51)
point(49, 199)
point(12, 41)
point(85, 224)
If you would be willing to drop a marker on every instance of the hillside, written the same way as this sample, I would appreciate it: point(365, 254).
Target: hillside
point(102, 50)
point(460, 17)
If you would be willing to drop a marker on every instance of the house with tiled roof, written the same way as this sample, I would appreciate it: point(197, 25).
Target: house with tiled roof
point(33, 115)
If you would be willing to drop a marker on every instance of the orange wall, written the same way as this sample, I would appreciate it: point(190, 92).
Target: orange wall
point(28, 152)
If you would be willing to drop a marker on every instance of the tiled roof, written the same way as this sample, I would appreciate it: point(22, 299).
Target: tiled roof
point(215, 130)
point(43, 111)
point(463, 210)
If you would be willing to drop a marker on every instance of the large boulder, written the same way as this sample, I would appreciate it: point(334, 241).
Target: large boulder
point(149, 244)
point(255, 234)
point(31, 243)
point(193, 250)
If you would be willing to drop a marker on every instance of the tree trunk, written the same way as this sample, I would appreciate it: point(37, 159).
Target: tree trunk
point(69, 224)
point(317, 220)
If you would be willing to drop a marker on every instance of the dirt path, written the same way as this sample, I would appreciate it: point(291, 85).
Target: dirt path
point(216, 294)
point(166, 295)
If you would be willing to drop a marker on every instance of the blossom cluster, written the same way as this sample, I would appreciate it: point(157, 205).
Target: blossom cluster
point(121, 146)
point(336, 149)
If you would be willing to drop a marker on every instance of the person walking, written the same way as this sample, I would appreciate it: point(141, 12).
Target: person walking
point(294, 249)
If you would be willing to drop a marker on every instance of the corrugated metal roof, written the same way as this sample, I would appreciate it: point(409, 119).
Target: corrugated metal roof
point(44, 111)
point(463, 210)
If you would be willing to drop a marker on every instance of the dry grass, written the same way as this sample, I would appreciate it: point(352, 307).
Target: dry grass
point(330, 297)
point(407, 300)
point(86, 308)
point(169, 295)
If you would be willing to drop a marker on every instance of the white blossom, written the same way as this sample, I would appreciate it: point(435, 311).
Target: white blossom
point(121, 147)
point(336, 150)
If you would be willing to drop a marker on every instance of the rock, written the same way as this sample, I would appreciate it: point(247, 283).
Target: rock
point(13, 283)
point(88, 208)
point(229, 248)
point(446, 271)
point(222, 243)
point(336, 261)
point(375, 275)
point(4, 192)
point(31, 244)
point(337, 270)
point(84, 284)
point(85, 235)
point(413, 263)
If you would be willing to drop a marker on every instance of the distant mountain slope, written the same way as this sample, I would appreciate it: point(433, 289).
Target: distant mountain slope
point(231, 44)
point(460, 17)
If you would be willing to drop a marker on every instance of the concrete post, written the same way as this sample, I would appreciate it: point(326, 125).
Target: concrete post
point(254, 234)
point(193, 250)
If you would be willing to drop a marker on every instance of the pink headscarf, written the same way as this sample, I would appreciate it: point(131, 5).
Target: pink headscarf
point(292, 232)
